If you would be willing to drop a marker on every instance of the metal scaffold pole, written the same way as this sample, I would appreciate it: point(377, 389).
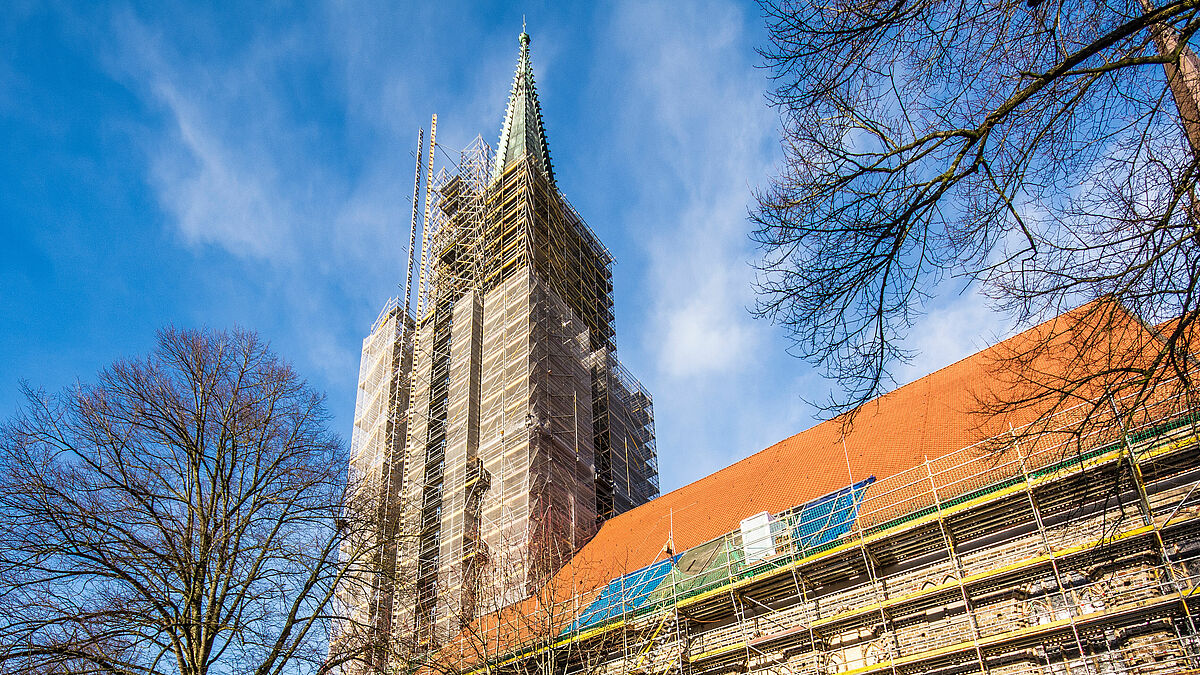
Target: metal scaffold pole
point(422, 280)
point(412, 228)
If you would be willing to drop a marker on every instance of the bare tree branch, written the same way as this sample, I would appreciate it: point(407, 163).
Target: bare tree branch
point(180, 515)
point(1041, 152)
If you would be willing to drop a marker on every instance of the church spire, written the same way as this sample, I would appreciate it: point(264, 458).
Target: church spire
point(523, 132)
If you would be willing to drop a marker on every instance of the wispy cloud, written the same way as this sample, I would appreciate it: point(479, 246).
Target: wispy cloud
point(701, 276)
point(241, 168)
point(697, 136)
point(223, 167)
point(957, 325)
point(216, 194)
point(703, 159)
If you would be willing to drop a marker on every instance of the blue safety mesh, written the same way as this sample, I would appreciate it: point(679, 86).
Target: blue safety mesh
point(623, 594)
point(823, 520)
point(810, 526)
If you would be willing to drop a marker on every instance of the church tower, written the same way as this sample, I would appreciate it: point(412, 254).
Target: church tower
point(523, 432)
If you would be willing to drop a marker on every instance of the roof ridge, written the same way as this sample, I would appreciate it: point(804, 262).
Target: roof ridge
point(798, 469)
point(924, 379)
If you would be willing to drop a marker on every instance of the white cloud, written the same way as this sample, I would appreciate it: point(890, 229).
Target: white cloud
point(227, 168)
point(696, 134)
point(239, 165)
point(699, 339)
point(216, 194)
point(697, 106)
point(701, 277)
point(956, 327)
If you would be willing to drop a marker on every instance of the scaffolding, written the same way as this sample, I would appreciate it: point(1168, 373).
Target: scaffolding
point(1043, 554)
point(375, 471)
point(525, 430)
point(514, 430)
point(627, 456)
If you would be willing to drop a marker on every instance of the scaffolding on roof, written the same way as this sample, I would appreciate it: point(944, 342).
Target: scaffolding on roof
point(1055, 555)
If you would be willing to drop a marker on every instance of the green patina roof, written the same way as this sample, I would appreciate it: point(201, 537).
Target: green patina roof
point(523, 132)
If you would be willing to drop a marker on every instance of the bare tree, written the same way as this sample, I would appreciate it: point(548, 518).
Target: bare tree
point(1044, 151)
point(182, 515)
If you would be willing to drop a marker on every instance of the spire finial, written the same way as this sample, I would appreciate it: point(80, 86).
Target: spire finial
point(524, 38)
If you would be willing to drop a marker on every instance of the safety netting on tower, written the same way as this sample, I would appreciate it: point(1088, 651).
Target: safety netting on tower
point(627, 456)
point(527, 432)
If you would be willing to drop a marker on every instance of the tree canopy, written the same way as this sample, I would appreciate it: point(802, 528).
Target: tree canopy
point(1041, 151)
point(182, 514)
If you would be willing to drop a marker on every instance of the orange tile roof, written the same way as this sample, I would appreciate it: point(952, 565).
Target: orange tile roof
point(925, 419)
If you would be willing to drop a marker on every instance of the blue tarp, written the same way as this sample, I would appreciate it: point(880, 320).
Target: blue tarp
point(623, 594)
point(817, 522)
point(823, 520)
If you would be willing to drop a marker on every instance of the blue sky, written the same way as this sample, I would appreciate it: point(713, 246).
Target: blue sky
point(251, 165)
